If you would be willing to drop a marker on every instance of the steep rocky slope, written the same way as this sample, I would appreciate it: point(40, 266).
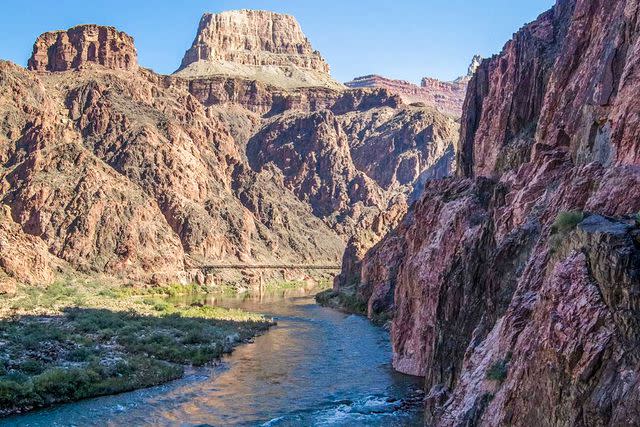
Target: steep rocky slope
point(447, 97)
point(106, 167)
point(514, 286)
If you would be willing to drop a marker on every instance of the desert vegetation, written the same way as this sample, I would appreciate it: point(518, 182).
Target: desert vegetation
point(78, 339)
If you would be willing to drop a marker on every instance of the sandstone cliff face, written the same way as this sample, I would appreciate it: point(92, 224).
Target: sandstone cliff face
point(82, 45)
point(252, 37)
point(516, 311)
point(260, 45)
point(446, 97)
point(106, 167)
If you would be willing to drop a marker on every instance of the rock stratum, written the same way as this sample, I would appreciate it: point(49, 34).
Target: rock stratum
point(514, 286)
point(107, 168)
point(447, 97)
point(258, 45)
point(69, 50)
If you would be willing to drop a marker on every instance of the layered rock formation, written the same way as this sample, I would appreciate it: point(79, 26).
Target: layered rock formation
point(108, 168)
point(447, 97)
point(514, 286)
point(82, 45)
point(260, 45)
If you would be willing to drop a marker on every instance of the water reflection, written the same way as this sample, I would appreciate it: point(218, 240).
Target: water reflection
point(317, 367)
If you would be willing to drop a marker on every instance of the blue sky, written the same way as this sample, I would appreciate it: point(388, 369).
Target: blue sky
point(405, 39)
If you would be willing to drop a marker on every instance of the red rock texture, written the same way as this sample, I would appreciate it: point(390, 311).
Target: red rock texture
point(396, 146)
point(313, 153)
point(106, 168)
point(24, 259)
point(515, 314)
point(82, 45)
point(446, 97)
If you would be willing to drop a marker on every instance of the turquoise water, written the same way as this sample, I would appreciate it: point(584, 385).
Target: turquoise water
point(317, 367)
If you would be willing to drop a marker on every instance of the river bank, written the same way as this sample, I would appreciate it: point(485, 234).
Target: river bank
point(78, 339)
point(349, 303)
point(316, 366)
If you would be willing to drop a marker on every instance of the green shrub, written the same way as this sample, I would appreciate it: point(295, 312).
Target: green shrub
point(98, 321)
point(81, 354)
point(161, 306)
point(15, 394)
point(342, 301)
point(31, 367)
point(133, 373)
point(195, 337)
point(284, 285)
point(109, 293)
point(152, 346)
point(381, 318)
point(179, 290)
point(498, 371)
point(206, 354)
point(567, 221)
point(60, 385)
point(34, 334)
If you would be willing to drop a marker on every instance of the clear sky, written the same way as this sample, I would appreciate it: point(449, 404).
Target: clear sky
point(405, 39)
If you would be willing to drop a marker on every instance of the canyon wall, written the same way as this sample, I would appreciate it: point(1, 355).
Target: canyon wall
point(109, 168)
point(514, 286)
point(447, 97)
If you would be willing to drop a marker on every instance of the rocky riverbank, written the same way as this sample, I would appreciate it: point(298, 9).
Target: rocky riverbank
point(79, 339)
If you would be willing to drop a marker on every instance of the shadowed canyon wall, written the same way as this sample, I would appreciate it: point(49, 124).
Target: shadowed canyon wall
point(514, 286)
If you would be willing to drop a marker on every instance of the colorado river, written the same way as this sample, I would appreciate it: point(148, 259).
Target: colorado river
point(316, 367)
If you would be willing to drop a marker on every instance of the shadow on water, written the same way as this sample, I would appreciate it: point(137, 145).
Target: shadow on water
point(316, 367)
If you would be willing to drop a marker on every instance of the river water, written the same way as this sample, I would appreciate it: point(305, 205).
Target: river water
point(316, 367)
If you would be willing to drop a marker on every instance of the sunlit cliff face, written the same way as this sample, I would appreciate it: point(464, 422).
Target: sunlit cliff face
point(162, 174)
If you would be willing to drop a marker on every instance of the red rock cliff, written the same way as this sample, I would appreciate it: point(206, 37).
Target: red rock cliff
point(447, 97)
point(515, 286)
point(113, 169)
point(71, 49)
